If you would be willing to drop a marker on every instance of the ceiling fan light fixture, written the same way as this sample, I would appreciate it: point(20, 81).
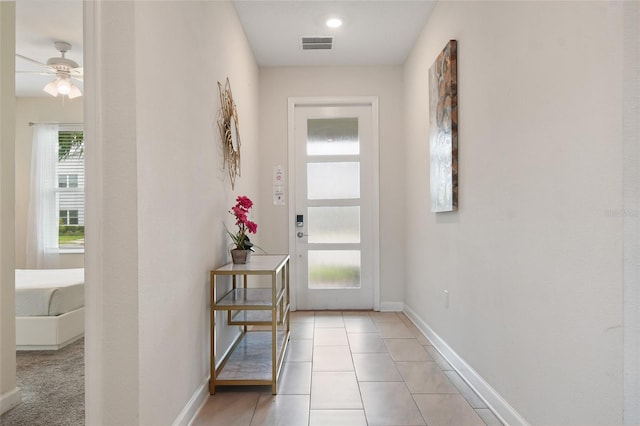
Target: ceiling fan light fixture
point(75, 92)
point(51, 89)
point(63, 86)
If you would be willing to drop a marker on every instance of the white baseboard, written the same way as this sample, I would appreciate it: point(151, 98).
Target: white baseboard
point(391, 306)
point(10, 399)
point(190, 411)
point(501, 408)
point(48, 347)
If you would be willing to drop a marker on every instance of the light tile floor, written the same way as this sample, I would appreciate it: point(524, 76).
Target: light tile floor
point(352, 369)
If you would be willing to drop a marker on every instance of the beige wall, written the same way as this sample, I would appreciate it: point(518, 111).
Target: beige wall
point(179, 174)
point(9, 394)
point(533, 258)
point(385, 82)
point(631, 209)
point(36, 110)
point(157, 152)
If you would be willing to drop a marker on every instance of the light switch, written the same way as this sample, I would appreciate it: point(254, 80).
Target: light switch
point(278, 196)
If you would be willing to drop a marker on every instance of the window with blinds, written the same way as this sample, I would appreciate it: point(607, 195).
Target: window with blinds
point(70, 188)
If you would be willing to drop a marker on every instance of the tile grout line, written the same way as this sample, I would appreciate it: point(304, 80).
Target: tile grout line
point(313, 341)
point(366, 418)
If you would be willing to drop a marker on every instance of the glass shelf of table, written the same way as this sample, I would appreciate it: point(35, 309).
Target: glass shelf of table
point(259, 265)
point(257, 317)
point(251, 360)
point(249, 298)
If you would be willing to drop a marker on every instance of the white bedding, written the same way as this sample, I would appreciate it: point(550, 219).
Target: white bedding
point(48, 292)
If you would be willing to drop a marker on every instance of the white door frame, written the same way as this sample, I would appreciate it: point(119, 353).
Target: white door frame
point(371, 101)
point(94, 314)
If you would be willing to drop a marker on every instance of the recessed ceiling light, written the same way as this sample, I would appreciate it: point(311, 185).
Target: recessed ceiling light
point(334, 22)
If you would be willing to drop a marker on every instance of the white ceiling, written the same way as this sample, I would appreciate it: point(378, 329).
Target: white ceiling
point(373, 32)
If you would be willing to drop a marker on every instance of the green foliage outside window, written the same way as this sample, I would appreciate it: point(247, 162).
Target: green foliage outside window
point(70, 144)
point(70, 236)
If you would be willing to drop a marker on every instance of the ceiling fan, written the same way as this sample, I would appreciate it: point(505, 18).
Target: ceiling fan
point(63, 68)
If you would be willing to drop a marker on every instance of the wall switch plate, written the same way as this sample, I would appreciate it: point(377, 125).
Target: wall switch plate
point(278, 176)
point(278, 196)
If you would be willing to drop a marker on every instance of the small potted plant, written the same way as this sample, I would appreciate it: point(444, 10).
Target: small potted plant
point(242, 244)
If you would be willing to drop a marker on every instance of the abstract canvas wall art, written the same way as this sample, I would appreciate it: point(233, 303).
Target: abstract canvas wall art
point(443, 129)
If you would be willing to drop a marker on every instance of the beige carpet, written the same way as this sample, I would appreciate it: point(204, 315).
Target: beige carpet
point(52, 385)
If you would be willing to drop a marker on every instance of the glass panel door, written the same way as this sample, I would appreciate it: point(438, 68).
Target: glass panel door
point(334, 196)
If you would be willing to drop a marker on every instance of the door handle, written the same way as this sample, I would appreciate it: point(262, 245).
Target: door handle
point(301, 234)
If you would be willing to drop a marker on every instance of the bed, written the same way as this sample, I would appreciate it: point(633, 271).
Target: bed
point(49, 308)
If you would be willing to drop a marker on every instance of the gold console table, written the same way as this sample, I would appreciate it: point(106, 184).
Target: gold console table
point(256, 355)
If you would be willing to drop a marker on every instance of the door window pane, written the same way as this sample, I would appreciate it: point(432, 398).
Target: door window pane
point(337, 225)
point(333, 136)
point(336, 181)
point(334, 269)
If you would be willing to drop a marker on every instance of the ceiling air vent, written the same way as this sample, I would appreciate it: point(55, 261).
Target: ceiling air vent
point(317, 43)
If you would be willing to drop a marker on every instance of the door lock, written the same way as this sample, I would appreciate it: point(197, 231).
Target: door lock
point(302, 234)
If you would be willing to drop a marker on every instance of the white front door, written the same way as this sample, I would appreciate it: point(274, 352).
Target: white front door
point(335, 205)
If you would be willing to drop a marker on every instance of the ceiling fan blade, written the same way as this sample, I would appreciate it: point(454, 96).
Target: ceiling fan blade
point(77, 71)
point(35, 72)
point(77, 77)
point(30, 60)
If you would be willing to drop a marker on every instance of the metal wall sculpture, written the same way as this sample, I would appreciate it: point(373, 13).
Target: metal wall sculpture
point(229, 133)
